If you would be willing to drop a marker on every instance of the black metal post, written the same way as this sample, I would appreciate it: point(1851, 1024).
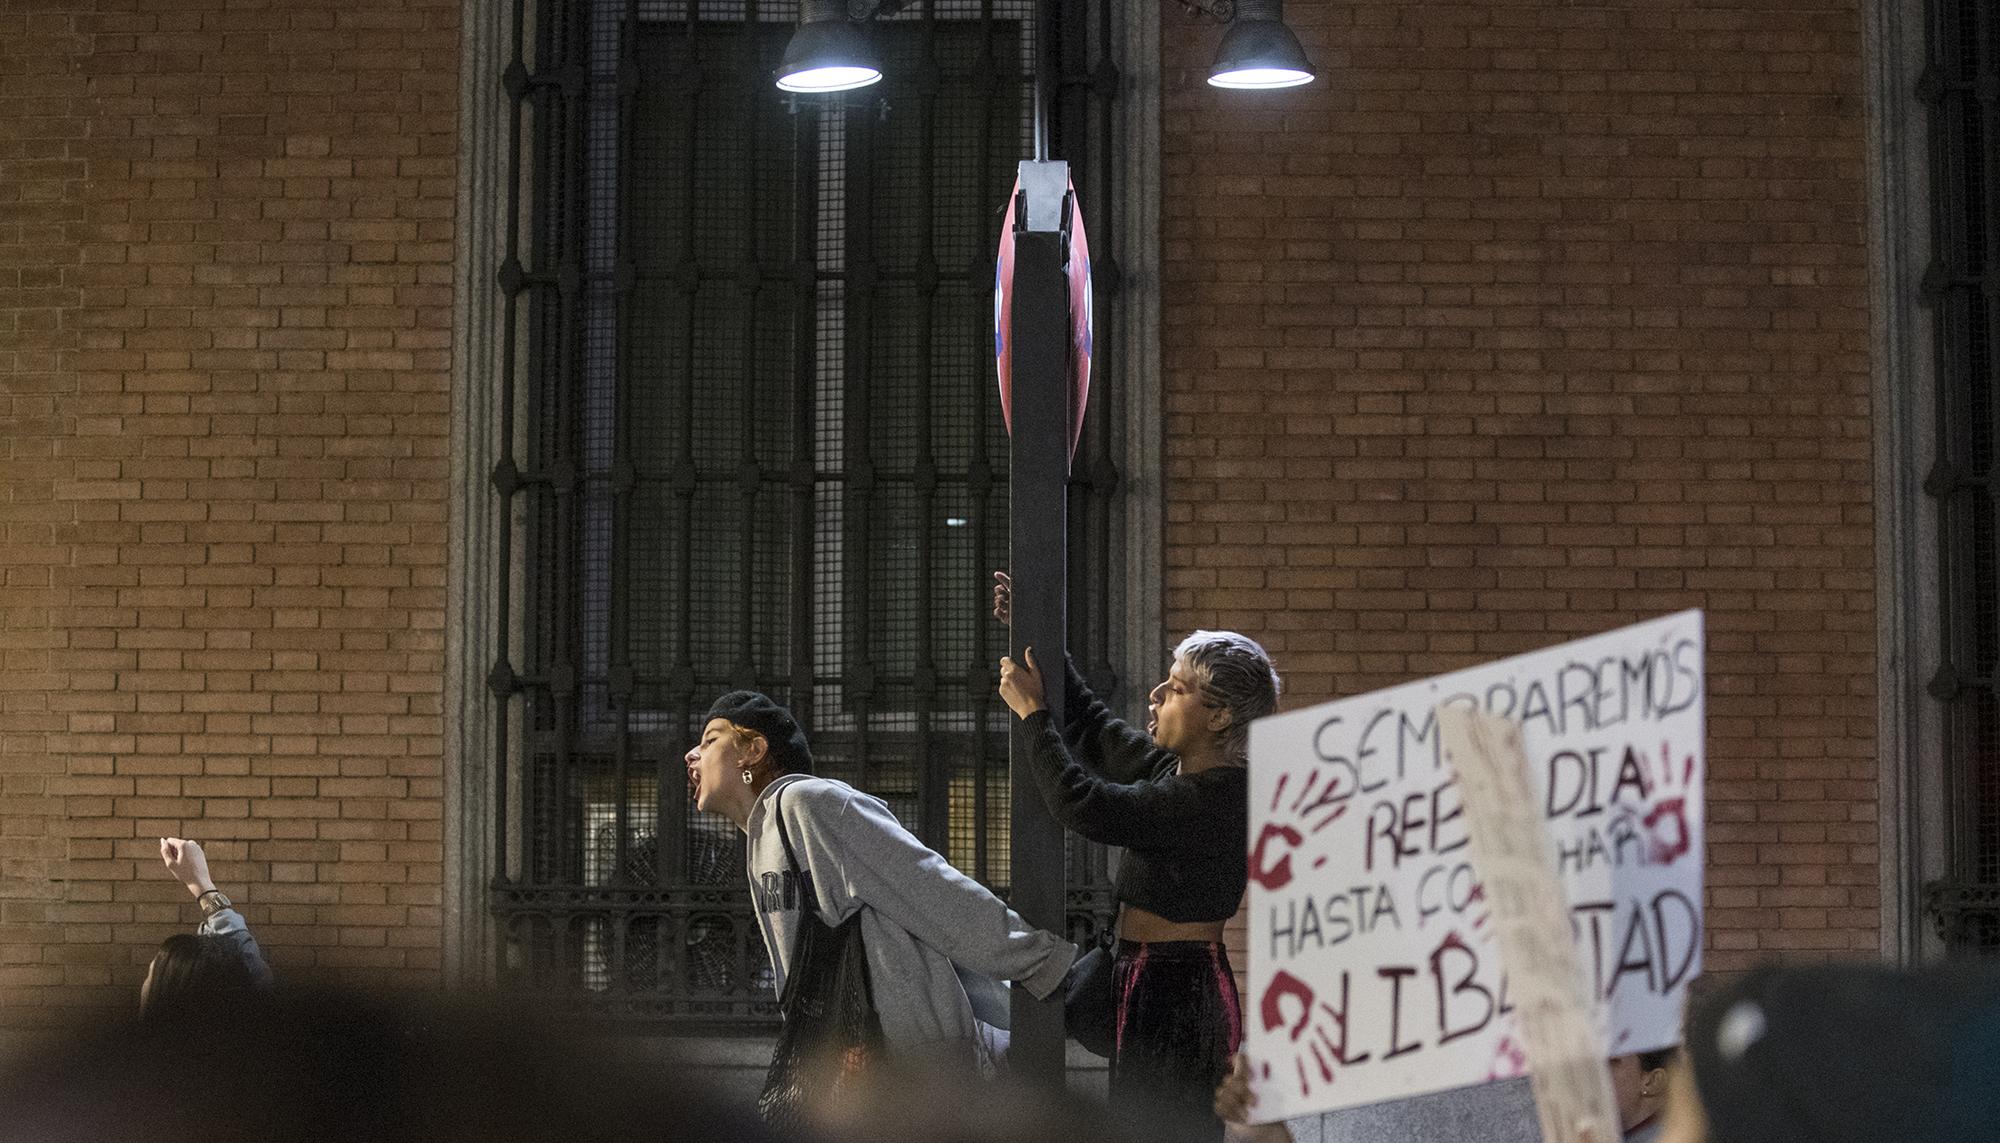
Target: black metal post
point(1046, 69)
point(1039, 530)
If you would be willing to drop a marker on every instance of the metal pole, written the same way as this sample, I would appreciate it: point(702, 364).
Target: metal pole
point(1038, 474)
point(1046, 68)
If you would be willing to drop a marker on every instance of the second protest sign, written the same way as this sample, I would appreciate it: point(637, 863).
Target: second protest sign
point(1374, 974)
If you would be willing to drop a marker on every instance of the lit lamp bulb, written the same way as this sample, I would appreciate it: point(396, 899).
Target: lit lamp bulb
point(828, 52)
point(1258, 51)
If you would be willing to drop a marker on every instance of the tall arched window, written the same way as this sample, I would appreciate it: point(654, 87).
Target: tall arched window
point(754, 442)
point(1963, 289)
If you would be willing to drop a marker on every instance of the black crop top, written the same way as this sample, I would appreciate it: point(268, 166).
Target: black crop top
point(1184, 835)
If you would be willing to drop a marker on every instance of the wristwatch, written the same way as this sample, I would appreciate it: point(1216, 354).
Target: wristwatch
point(212, 901)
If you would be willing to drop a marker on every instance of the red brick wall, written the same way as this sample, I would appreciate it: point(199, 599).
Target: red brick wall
point(1529, 320)
point(1526, 320)
point(225, 256)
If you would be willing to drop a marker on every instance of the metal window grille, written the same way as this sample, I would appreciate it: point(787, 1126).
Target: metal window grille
point(1963, 288)
point(759, 446)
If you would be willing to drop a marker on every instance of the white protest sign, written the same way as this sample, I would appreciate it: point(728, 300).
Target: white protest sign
point(1374, 972)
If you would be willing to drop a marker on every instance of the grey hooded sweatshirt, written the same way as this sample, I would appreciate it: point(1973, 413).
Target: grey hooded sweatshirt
point(920, 916)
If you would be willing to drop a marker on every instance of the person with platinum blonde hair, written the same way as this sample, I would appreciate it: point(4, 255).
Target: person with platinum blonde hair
point(1236, 674)
point(1175, 796)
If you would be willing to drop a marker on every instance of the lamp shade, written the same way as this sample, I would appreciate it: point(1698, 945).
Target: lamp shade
point(1259, 51)
point(828, 53)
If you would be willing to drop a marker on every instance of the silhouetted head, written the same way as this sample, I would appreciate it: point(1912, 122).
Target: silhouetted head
point(190, 970)
point(1849, 1053)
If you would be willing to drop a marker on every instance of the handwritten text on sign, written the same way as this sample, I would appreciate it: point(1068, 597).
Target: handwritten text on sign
point(1373, 970)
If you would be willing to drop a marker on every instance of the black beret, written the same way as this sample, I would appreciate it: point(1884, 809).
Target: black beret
point(753, 711)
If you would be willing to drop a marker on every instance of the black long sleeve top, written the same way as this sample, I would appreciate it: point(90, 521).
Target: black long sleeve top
point(1184, 835)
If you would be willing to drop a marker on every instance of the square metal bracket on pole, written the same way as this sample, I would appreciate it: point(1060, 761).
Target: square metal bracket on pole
point(1039, 529)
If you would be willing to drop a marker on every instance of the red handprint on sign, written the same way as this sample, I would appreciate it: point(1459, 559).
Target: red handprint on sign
point(1285, 986)
point(1277, 874)
point(1673, 813)
point(1667, 820)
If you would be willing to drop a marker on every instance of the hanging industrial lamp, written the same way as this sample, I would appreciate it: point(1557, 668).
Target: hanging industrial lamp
point(1258, 51)
point(828, 52)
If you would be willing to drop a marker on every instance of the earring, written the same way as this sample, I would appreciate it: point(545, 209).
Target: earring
point(746, 777)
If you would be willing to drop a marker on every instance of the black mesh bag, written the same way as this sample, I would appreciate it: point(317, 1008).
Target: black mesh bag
point(831, 1035)
point(1090, 999)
